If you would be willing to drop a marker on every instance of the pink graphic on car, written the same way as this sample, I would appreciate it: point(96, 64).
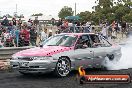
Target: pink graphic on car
point(45, 51)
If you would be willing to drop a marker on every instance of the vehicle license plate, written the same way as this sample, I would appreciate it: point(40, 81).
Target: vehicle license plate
point(23, 64)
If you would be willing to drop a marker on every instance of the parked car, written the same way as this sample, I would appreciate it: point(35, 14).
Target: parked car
point(62, 53)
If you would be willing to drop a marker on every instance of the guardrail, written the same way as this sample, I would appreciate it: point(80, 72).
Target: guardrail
point(7, 52)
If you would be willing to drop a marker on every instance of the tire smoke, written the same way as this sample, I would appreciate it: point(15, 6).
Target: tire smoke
point(125, 61)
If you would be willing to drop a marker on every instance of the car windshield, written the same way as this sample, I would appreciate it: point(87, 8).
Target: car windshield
point(60, 40)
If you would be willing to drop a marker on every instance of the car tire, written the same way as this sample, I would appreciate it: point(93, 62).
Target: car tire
point(63, 67)
point(104, 63)
point(111, 57)
point(108, 58)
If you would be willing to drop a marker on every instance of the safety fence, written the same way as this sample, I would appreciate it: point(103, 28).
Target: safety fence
point(7, 52)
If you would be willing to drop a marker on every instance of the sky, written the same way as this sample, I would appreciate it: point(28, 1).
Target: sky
point(47, 7)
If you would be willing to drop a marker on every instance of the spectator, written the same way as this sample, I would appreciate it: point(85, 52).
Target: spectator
point(11, 28)
point(50, 33)
point(16, 37)
point(123, 25)
point(59, 23)
point(19, 23)
point(8, 39)
point(87, 29)
point(5, 22)
point(43, 35)
point(33, 36)
point(78, 27)
point(25, 35)
point(29, 24)
point(104, 31)
point(36, 21)
point(14, 21)
point(0, 29)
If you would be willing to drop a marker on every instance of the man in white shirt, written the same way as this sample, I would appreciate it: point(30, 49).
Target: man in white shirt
point(43, 35)
point(104, 31)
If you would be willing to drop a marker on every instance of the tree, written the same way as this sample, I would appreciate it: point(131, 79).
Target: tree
point(112, 10)
point(128, 17)
point(65, 11)
point(85, 16)
point(103, 10)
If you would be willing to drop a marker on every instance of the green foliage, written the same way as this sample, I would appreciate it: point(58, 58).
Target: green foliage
point(85, 16)
point(128, 17)
point(109, 9)
point(65, 11)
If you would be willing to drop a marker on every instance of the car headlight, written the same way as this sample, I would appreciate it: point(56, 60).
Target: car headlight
point(14, 58)
point(42, 58)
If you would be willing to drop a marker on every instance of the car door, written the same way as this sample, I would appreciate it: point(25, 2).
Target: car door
point(84, 56)
point(99, 56)
point(99, 52)
point(109, 49)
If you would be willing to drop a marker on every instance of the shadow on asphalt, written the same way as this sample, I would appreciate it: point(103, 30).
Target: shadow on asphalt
point(51, 75)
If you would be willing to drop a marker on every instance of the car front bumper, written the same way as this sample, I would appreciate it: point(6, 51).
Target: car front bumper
point(33, 66)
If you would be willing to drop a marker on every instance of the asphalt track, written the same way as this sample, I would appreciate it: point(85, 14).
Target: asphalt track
point(15, 80)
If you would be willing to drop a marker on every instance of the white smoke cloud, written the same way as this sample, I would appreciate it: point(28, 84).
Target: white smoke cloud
point(126, 60)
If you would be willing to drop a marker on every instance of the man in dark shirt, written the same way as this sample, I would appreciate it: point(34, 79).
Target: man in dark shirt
point(124, 30)
point(36, 21)
point(33, 36)
point(14, 21)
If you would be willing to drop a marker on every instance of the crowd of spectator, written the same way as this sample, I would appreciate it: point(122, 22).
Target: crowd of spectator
point(16, 33)
point(106, 29)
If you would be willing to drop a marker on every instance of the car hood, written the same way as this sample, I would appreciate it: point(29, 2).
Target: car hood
point(43, 51)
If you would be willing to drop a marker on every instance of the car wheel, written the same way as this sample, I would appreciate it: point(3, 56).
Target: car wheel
point(108, 59)
point(111, 57)
point(104, 63)
point(63, 67)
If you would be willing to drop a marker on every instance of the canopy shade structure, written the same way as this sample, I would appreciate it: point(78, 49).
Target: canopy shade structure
point(72, 17)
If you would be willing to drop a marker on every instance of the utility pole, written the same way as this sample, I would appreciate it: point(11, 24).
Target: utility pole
point(16, 8)
point(15, 13)
point(75, 9)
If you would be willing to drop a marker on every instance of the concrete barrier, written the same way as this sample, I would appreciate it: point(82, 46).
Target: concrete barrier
point(7, 52)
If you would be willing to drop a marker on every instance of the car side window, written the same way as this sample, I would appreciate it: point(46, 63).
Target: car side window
point(84, 40)
point(94, 39)
point(95, 42)
point(104, 42)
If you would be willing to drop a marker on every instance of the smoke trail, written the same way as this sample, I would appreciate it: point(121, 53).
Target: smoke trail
point(126, 60)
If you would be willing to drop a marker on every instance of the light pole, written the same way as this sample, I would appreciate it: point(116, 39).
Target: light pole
point(75, 9)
